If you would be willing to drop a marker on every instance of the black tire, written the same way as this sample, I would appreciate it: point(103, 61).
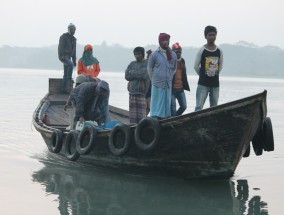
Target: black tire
point(268, 135)
point(86, 140)
point(113, 141)
point(70, 146)
point(247, 153)
point(56, 141)
point(152, 124)
point(258, 142)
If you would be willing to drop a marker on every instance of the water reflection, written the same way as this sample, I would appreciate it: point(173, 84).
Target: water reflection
point(88, 191)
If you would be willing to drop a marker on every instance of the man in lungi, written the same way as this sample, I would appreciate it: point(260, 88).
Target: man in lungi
point(161, 68)
point(138, 83)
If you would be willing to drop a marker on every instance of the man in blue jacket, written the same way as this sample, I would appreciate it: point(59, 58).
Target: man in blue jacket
point(91, 101)
point(66, 52)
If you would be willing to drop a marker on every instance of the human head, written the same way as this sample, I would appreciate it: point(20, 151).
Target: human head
point(71, 28)
point(164, 40)
point(88, 47)
point(208, 29)
point(177, 49)
point(83, 78)
point(102, 88)
point(139, 53)
point(149, 52)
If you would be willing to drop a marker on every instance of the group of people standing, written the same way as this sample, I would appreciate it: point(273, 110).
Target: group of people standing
point(164, 72)
point(155, 83)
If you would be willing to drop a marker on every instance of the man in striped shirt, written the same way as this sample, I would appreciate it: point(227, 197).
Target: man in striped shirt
point(180, 83)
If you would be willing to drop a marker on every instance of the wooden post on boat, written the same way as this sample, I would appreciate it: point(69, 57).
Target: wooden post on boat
point(55, 86)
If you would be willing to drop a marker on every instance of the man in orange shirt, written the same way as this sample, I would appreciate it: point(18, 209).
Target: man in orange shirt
point(180, 83)
point(88, 64)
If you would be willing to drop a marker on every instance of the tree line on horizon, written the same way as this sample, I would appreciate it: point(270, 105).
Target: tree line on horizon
point(241, 59)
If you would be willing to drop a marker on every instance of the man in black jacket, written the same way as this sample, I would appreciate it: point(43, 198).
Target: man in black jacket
point(180, 83)
point(66, 52)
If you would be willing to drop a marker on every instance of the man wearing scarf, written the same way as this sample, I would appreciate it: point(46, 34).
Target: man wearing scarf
point(161, 68)
point(88, 64)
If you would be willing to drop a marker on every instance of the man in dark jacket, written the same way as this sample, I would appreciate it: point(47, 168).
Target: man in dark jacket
point(180, 83)
point(137, 75)
point(66, 52)
point(91, 101)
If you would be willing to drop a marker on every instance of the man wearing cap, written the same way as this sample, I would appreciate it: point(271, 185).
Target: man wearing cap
point(208, 65)
point(66, 52)
point(180, 83)
point(91, 101)
point(161, 68)
point(138, 83)
point(88, 64)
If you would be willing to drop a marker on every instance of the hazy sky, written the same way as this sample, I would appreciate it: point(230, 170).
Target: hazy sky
point(36, 23)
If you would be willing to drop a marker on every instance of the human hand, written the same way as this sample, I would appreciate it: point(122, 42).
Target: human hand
point(81, 119)
point(66, 106)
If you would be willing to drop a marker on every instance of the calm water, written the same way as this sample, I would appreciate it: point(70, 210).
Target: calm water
point(34, 181)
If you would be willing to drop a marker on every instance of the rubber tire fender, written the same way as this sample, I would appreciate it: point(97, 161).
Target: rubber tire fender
point(247, 153)
point(71, 138)
point(258, 142)
point(56, 141)
point(268, 135)
point(155, 126)
point(126, 130)
point(92, 132)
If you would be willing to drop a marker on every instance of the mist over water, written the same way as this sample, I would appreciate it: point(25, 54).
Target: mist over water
point(34, 181)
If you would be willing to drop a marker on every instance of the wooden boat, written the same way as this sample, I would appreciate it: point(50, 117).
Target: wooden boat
point(206, 143)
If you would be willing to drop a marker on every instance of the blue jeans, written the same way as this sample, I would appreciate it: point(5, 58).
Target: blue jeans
point(201, 96)
point(180, 96)
point(67, 76)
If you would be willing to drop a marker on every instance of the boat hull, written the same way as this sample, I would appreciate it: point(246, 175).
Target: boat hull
point(206, 143)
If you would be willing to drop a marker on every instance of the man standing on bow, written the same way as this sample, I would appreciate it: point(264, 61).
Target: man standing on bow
point(67, 55)
point(208, 65)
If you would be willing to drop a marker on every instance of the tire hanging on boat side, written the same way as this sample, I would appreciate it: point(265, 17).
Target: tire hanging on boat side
point(56, 141)
point(87, 132)
point(268, 135)
point(247, 153)
point(112, 141)
point(150, 123)
point(258, 142)
point(70, 152)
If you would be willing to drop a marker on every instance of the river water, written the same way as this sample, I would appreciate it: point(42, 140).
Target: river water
point(34, 181)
